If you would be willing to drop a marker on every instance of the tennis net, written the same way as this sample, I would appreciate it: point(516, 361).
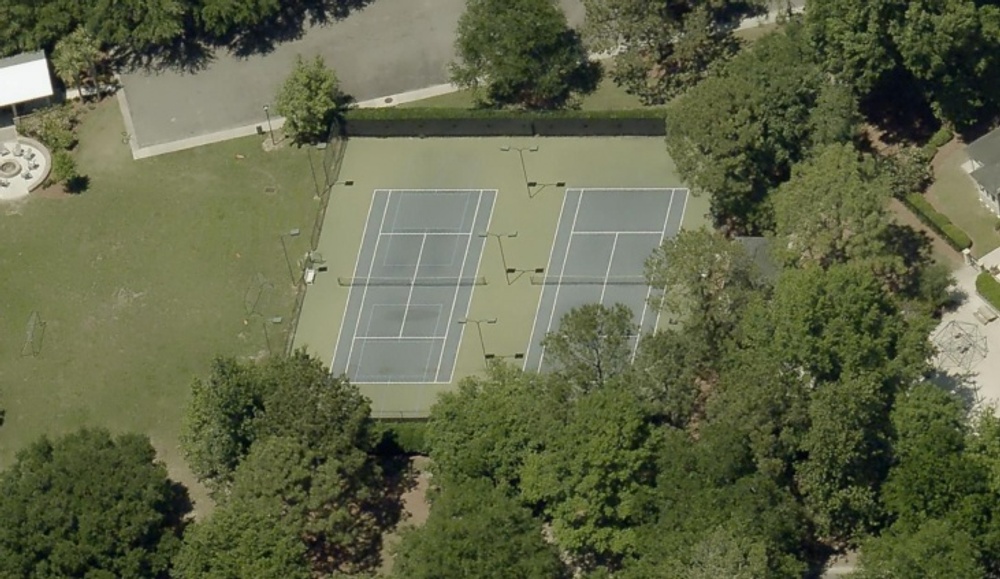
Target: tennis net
point(588, 280)
point(407, 282)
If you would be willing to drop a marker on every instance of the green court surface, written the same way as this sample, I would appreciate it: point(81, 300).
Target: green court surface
point(462, 164)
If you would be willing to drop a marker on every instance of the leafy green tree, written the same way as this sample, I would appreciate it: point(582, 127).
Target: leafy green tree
point(594, 476)
point(665, 48)
point(75, 56)
point(488, 426)
point(736, 137)
point(707, 280)
point(221, 419)
point(521, 52)
point(332, 497)
point(89, 505)
point(836, 117)
point(833, 209)
point(137, 27)
point(593, 344)
point(724, 553)
point(476, 531)
point(670, 371)
point(224, 18)
point(241, 540)
point(310, 100)
point(937, 550)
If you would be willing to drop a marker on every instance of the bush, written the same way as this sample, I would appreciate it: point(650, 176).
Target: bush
point(942, 137)
point(401, 438)
point(393, 113)
point(988, 288)
point(939, 222)
point(52, 126)
point(908, 171)
point(63, 167)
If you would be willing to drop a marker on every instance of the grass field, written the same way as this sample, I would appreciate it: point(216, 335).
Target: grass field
point(457, 163)
point(141, 281)
point(953, 193)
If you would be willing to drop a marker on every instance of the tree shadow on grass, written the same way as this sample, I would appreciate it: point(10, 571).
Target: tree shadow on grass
point(898, 106)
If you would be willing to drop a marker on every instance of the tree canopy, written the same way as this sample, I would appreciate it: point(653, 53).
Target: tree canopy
point(665, 47)
point(310, 100)
point(521, 52)
point(89, 504)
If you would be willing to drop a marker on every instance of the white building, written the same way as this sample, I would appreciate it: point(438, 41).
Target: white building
point(984, 168)
point(24, 78)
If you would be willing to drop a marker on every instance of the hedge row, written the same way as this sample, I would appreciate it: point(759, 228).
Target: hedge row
point(401, 437)
point(988, 288)
point(940, 138)
point(431, 114)
point(937, 221)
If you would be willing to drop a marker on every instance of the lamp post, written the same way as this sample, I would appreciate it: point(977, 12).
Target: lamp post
point(524, 169)
point(267, 113)
point(479, 327)
point(292, 233)
point(507, 270)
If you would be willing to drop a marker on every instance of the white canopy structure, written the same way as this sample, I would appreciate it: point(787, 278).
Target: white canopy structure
point(24, 77)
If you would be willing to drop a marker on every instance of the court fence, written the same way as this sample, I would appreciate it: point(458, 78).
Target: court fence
point(333, 159)
point(441, 122)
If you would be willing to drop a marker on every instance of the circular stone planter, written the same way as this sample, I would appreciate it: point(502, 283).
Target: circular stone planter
point(9, 169)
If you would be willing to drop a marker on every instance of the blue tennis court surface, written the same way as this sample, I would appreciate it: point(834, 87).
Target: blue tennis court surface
point(417, 268)
point(598, 256)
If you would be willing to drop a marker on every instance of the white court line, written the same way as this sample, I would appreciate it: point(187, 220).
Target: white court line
point(607, 272)
point(562, 270)
point(357, 262)
point(396, 338)
point(458, 286)
point(364, 293)
point(617, 232)
point(424, 233)
point(649, 290)
point(413, 282)
point(680, 226)
point(548, 267)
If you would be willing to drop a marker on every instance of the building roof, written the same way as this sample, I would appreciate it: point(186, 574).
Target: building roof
point(24, 77)
point(988, 177)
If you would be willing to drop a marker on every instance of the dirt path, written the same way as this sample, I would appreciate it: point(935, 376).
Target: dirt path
point(942, 252)
point(415, 510)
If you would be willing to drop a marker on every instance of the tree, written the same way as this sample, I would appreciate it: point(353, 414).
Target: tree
point(707, 279)
point(310, 100)
point(593, 344)
point(333, 499)
point(89, 505)
point(594, 476)
point(137, 27)
point(665, 48)
point(77, 55)
point(521, 52)
point(226, 18)
point(833, 209)
point(476, 531)
point(737, 138)
point(937, 550)
point(240, 540)
point(488, 426)
point(220, 420)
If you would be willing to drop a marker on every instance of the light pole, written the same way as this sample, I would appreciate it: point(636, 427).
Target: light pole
point(267, 113)
point(292, 233)
point(520, 155)
point(479, 327)
point(507, 270)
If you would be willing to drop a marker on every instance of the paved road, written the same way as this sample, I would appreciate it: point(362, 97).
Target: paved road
point(390, 47)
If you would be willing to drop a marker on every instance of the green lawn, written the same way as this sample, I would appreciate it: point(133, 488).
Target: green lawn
point(954, 194)
point(142, 280)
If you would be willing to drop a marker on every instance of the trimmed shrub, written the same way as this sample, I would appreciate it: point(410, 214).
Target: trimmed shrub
point(430, 114)
point(396, 438)
point(988, 288)
point(908, 171)
point(52, 126)
point(942, 137)
point(63, 167)
point(937, 221)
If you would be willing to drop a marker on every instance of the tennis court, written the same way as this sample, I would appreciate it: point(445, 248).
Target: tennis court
point(416, 271)
point(598, 255)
